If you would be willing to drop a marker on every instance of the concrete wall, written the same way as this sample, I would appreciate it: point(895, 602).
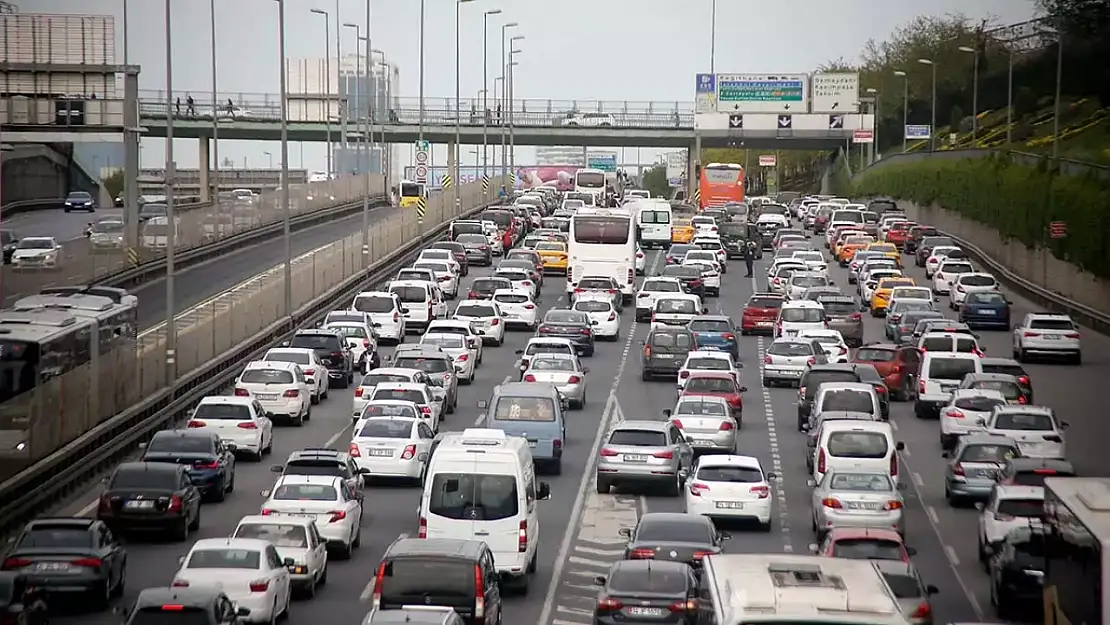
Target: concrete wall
point(28, 174)
point(1036, 265)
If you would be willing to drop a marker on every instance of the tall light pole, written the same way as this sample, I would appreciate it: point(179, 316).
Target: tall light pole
point(1056, 103)
point(364, 131)
point(485, 90)
point(974, 91)
point(1010, 97)
point(497, 97)
point(386, 149)
point(458, 100)
point(713, 37)
point(327, 77)
point(171, 214)
point(338, 71)
point(368, 135)
point(270, 156)
point(874, 93)
point(933, 106)
point(214, 194)
point(286, 234)
point(501, 119)
point(511, 105)
point(355, 105)
point(420, 127)
point(905, 105)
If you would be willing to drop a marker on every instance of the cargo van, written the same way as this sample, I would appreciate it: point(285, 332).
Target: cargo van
point(481, 485)
point(653, 220)
point(533, 411)
point(854, 445)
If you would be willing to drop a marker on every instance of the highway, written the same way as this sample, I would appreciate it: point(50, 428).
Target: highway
point(56, 223)
point(579, 534)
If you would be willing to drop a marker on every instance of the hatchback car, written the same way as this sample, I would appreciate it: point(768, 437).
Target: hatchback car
point(730, 487)
point(706, 422)
point(642, 590)
point(664, 351)
point(642, 452)
point(864, 543)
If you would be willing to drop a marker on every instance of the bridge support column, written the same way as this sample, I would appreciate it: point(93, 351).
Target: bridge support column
point(131, 134)
point(693, 153)
point(452, 164)
point(204, 167)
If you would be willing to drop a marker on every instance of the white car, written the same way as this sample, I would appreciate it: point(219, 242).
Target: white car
point(946, 273)
point(36, 253)
point(248, 570)
point(729, 487)
point(520, 280)
point(965, 283)
point(966, 413)
point(832, 341)
point(1009, 507)
point(641, 261)
point(441, 255)
point(650, 290)
point(386, 312)
point(590, 120)
point(1047, 334)
point(703, 224)
point(420, 393)
point(903, 293)
point(314, 369)
point(517, 307)
point(602, 313)
point(813, 259)
point(279, 387)
point(710, 275)
point(240, 421)
point(359, 330)
point(706, 255)
point(446, 277)
point(484, 315)
point(296, 539)
point(706, 361)
point(801, 281)
point(1039, 434)
point(336, 507)
point(393, 446)
point(779, 281)
point(543, 345)
point(455, 346)
point(934, 260)
point(382, 375)
point(712, 244)
point(868, 285)
point(465, 329)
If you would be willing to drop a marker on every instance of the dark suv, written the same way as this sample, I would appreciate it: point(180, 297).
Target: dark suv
point(331, 346)
point(665, 351)
point(323, 461)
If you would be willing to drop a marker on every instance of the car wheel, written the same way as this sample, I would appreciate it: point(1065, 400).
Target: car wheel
point(602, 486)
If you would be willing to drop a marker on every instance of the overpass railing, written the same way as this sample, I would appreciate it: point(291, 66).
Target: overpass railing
point(83, 261)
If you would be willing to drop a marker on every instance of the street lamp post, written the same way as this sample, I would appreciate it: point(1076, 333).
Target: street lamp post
point(874, 93)
point(502, 100)
point(214, 193)
point(171, 216)
point(905, 105)
point(1056, 103)
point(497, 100)
point(511, 104)
point(933, 105)
point(713, 37)
point(458, 101)
point(420, 127)
point(1010, 97)
point(327, 77)
point(286, 229)
point(485, 91)
point(355, 104)
point(974, 91)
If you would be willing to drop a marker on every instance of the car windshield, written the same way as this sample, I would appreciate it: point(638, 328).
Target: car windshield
point(224, 559)
point(857, 444)
point(1021, 508)
point(35, 243)
point(266, 376)
point(867, 549)
point(56, 537)
point(705, 408)
point(860, 482)
point(472, 496)
point(704, 384)
point(683, 530)
point(790, 349)
point(676, 306)
point(1025, 421)
point(987, 453)
point(277, 534)
point(638, 438)
point(385, 428)
point(708, 364)
point(734, 474)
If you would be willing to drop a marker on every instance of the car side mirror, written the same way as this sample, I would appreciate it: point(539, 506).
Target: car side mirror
point(364, 471)
point(181, 559)
point(705, 311)
point(626, 532)
point(594, 322)
point(901, 486)
point(483, 404)
point(377, 325)
point(265, 493)
point(900, 446)
point(667, 412)
point(945, 454)
point(289, 562)
point(285, 343)
point(980, 506)
point(519, 352)
point(599, 580)
point(585, 369)
point(981, 422)
point(277, 468)
point(423, 457)
point(931, 590)
point(743, 389)
point(725, 535)
point(1064, 425)
point(811, 483)
point(543, 491)
point(911, 551)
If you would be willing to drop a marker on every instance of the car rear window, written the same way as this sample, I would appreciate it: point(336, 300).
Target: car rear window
point(950, 368)
point(814, 379)
point(708, 364)
point(1024, 422)
point(385, 428)
point(839, 309)
point(867, 549)
point(680, 340)
point(399, 394)
point(987, 453)
point(903, 586)
point(279, 534)
point(1009, 390)
point(1022, 508)
point(266, 376)
point(847, 401)
point(316, 341)
point(692, 530)
point(765, 302)
point(702, 384)
point(305, 492)
point(427, 365)
point(978, 281)
point(857, 444)
point(233, 412)
point(374, 304)
point(1035, 477)
point(57, 536)
point(664, 580)
point(173, 444)
point(524, 409)
point(871, 354)
point(790, 349)
point(739, 475)
point(1051, 324)
point(410, 294)
point(473, 496)
point(978, 403)
point(389, 410)
point(638, 438)
point(427, 577)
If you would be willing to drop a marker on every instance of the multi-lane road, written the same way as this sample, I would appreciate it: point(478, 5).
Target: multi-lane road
point(579, 527)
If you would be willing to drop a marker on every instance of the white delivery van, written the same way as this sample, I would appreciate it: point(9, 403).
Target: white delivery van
point(653, 220)
point(481, 485)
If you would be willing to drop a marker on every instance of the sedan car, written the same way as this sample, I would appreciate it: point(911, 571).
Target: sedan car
point(864, 543)
point(36, 253)
point(730, 487)
point(707, 361)
point(565, 372)
point(517, 307)
point(393, 446)
point(209, 461)
point(637, 591)
point(573, 325)
point(80, 201)
point(603, 315)
point(857, 499)
point(973, 465)
point(455, 346)
point(248, 570)
point(673, 536)
point(295, 538)
point(706, 422)
point(642, 452)
point(336, 508)
point(715, 333)
point(477, 248)
point(786, 360)
point(150, 496)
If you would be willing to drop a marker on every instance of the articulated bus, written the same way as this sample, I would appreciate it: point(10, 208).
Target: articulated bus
point(1076, 551)
point(719, 184)
point(602, 243)
point(590, 181)
point(410, 193)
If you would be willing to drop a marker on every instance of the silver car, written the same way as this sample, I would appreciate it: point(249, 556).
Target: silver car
point(973, 466)
point(705, 422)
point(857, 499)
point(914, 595)
point(787, 358)
point(562, 370)
point(644, 452)
point(455, 346)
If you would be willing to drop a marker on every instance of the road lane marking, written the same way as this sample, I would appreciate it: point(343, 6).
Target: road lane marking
point(917, 479)
point(931, 512)
point(773, 438)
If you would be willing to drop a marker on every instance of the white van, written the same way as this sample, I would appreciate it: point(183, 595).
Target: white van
point(940, 374)
point(653, 219)
point(798, 315)
point(481, 485)
point(422, 302)
point(385, 311)
point(851, 445)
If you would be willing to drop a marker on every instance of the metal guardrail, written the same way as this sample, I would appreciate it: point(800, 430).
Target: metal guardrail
point(45, 483)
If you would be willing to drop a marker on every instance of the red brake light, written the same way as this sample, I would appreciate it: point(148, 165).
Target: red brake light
point(608, 604)
point(923, 611)
point(642, 553)
point(178, 583)
point(242, 392)
point(767, 360)
point(425, 410)
point(728, 336)
point(291, 393)
point(366, 342)
point(1071, 335)
point(529, 378)
point(726, 426)
point(92, 563)
point(1044, 471)
point(175, 503)
point(423, 528)
point(1029, 334)
point(260, 585)
point(337, 515)
point(894, 464)
point(1021, 399)
point(958, 469)
point(396, 316)
point(954, 414)
point(409, 453)
point(529, 307)
point(812, 360)
point(677, 423)
point(666, 455)
point(612, 316)
point(763, 491)
point(574, 380)
point(215, 464)
point(609, 453)
point(359, 391)
point(16, 563)
point(354, 451)
point(522, 537)
point(193, 423)
point(892, 505)
point(821, 461)
point(831, 502)
point(1023, 380)
point(173, 607)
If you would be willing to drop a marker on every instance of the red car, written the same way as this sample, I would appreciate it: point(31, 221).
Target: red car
point(862, 543)
point(760, 314)
point(899, 232)
point(717, 384)
point(895, 363)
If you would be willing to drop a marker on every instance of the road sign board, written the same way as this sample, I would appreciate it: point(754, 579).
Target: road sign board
point(836, 122)
point(736, 121)
point(918, 131)
point(762, 93)
point(706, 83)
point(422, 146)
point(421, 157)
point(422, 173)
point(863, 136)
point(705, 93)
point(835, 93)
point(786, 122)
point(1058, 229)
point(768, 160)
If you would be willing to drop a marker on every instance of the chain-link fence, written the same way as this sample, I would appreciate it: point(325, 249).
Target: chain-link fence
point(106, 250)
point(64, 406)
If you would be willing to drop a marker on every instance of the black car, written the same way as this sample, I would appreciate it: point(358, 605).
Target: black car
point(80, 200)
point(916, 235)
point(677, 253)
point(457, 574)
point(689, 276)
point(882, 206)
point(768, 230)
point(184, 606)
point(209, 461)
point(642, 591)
point(1011, 367)
point(9, 241)
point(1017, 570)
point(673, 536)
point(1022, 471)
point(483, 288)
point(925, 247)
point(21, 602)
point(323, 461)
point(735, 236)
point(816, 375)
point(477, 248)
point(331, 346)
point(458, 252)
point(150, 496)
point(70, 557)
point(665, 349)
point(569, 324)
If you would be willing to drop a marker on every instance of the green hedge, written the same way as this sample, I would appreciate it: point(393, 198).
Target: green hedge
point(1017, 200)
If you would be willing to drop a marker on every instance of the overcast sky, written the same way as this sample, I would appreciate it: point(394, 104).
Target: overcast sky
point(635, 50)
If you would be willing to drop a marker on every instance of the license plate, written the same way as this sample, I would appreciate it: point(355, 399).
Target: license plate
point(379, 452)
point(509, 315)
point(531, 443)
point(789, 332)
point(1050, 337)
point(765, 324)
point(645, 611)
point(665, 355)
point(139, 505)
point(732, 505)
point(861, 505)
point(988, 312)
point(266, 397)
point(1024, 446)
point(634, 458)
point(52, 566)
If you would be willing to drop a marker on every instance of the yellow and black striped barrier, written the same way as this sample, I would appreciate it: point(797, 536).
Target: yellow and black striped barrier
point(421, 208)
point(447, 181)
point(485, 184)
point(697, 196)
point(133, 256)
point(512, 179)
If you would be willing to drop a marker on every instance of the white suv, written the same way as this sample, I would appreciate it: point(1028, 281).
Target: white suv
point(1047, 334)
point(590, 119)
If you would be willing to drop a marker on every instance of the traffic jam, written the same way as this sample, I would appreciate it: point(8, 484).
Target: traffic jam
point(399, 460)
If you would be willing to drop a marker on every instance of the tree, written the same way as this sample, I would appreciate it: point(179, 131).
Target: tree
point(655, 181)
point(114, 183)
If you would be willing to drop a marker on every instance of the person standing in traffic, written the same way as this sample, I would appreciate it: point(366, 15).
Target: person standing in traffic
point(749, 257)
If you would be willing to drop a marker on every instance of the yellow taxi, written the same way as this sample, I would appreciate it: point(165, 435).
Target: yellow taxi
point(888, 250)
point(849, 247)
point(880, 299)
point(682, 231)
point(553, 255)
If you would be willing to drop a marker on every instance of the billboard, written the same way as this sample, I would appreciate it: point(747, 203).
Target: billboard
point(603, 162)
point(762, 93)
point(562, 176)
point(676, 168)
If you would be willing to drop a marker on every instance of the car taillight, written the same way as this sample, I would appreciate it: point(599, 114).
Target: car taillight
point(609, 604)
point(175, 503)
point(728, 336)
point(1027, 334)
point(574, 380)
point(612, 316)
point(586, 331)
point(921, 384)
point(609, 453)
point(697, 556)
point(354, 451)
point(821, 461)
point(242, 392)
point(666, 455)
point(260, 585)
point(767, 360)
point(923, 611)
point(337, 515)
point(892, 505)
point(894, 464)
point(642, 553)
point(193, 423)
point(844, 350)
point(522, 537)
point(960, 289)
point(409, 453)
point(831, 502)
point(631, 276)
point(762, 491)
point(16, 563)
point(812, 360)
point(529, 307)
point(463, 357)
point(291, 393)
point(529, 378)
point(639, 254)
point(1071, 335)
point(179, 583)
point(425, 410)
point(1023, 380)
point(310, 372)
point(726, 426)
point(214, 464)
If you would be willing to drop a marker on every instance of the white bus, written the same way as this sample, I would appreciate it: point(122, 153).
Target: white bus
point(590, 181)
point(602, 243)
point(1076, 550)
